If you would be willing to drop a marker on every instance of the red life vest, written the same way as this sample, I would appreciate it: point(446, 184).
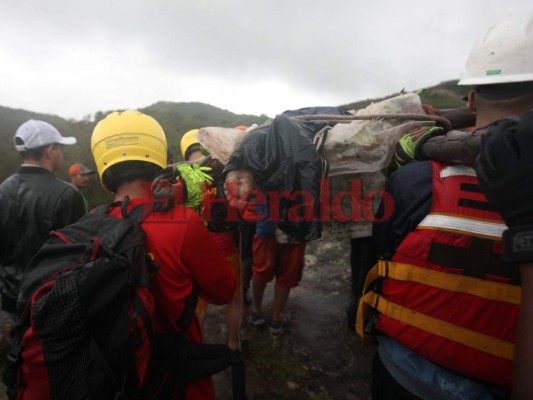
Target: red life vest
point(447, 294)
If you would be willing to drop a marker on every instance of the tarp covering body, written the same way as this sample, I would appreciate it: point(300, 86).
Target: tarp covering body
point(288, 169)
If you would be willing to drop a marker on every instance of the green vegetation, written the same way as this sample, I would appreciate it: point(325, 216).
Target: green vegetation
point(272, 360)
point(175, 118)
point(444, 95)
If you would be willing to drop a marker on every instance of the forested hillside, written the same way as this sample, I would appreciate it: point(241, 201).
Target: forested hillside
point(176, 119)
point(444, 95)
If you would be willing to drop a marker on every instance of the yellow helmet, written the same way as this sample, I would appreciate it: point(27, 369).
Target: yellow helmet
point(128, 136)
point(187, 140)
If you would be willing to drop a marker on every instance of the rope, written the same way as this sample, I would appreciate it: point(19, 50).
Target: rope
point(444, 122)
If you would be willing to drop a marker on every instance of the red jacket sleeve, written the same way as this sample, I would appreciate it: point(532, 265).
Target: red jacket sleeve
point(214, 275)
point(185, 253)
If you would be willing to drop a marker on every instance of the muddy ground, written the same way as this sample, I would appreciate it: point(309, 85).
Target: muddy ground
point(317, 357)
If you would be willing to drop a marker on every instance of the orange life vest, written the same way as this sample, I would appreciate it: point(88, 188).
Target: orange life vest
point(447, 294)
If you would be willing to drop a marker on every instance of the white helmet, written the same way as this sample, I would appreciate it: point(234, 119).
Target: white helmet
point(504, 54)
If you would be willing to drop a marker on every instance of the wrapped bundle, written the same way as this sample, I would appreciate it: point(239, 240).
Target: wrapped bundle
point(220, 142)
point(363, 146)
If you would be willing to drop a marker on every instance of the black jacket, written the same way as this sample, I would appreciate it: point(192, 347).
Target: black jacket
point(32, 202)
point(411, 188)
point(285, 160)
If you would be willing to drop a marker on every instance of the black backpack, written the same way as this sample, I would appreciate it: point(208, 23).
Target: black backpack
point(86, 310)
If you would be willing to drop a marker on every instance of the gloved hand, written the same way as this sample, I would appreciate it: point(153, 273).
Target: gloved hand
point(505, 171)
point(408, 147)
point(197, 181)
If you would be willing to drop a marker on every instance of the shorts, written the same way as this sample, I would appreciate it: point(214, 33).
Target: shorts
point(283, 261)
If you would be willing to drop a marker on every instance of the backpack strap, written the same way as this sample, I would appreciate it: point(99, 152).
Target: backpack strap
point(179, 352)
point(14, 360)
point(238, 372)
point(143, 313)
point(174, 350)
point(137, 214)
point(102, 209)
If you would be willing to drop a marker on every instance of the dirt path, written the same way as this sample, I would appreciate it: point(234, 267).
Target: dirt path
point(317, 357)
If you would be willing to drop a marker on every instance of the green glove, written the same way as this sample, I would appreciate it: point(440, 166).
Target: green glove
point(197, 180)
point(408, 147)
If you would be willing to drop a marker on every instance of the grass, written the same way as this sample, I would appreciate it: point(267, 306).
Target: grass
point(272, 360)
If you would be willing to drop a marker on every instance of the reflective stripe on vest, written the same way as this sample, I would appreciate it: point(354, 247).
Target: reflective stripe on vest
point(457, 170)
point(467, 226)
point(456, 283)
point(458, 334)
point(447, 294)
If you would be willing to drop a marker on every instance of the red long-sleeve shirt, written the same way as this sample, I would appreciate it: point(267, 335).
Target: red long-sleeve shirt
point(185, 252)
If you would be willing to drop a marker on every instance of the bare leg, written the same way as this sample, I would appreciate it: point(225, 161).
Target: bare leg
point(233, 320)
point(234, 311)
point(201, 314)
point(281, 295)
point(258, 290)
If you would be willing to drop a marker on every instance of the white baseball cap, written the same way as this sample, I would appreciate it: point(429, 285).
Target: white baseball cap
point(33, 134)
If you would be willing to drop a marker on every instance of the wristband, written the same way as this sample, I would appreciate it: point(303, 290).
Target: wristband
point(518, 244)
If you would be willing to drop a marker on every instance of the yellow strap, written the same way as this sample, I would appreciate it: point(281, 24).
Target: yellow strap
point(363, 309)
point(489, 290)
point(455, 333)
point(371, 276)
point(456, 283)
point(364, 305)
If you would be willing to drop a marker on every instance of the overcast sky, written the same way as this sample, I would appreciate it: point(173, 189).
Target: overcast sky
point(74, 58)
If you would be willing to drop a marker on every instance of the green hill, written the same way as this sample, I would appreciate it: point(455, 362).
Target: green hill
point(444, 95)
point(176, 119)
